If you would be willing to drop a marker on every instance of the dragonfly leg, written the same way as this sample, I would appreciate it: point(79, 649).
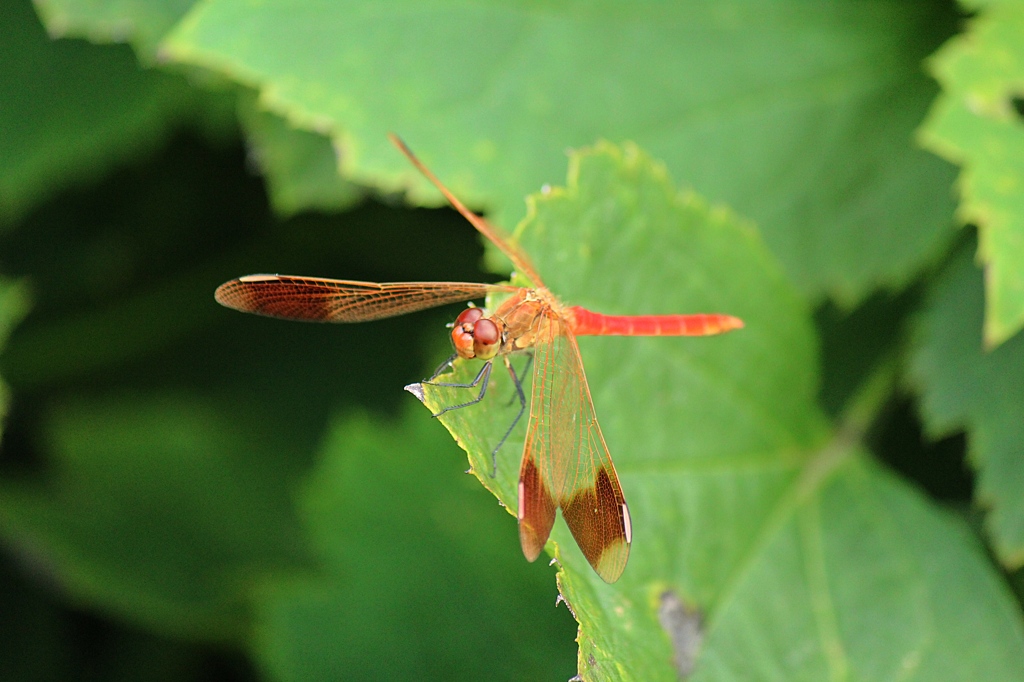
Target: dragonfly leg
point(519, 388)
point(519, 415)
point(483, 377)
point(442, 368)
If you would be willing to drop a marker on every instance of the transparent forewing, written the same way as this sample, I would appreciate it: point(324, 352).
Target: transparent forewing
point(566, 462)
point(494, 235)
point(313, 299)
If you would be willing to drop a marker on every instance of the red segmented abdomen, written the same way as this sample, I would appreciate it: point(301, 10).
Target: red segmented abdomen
point(587, 323)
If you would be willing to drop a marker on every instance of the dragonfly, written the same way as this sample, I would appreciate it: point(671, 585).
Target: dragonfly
point(565, 463)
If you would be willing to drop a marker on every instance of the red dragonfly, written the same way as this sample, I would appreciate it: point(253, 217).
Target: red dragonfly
point(566, 463)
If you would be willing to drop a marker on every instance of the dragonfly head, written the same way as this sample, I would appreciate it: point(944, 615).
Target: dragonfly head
point(475, 336)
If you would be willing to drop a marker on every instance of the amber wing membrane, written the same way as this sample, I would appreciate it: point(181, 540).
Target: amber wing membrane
point(313, 299)
point(490, 232)
point(566, 462)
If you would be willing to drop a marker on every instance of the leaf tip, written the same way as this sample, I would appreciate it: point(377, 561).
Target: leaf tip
point(417, 390)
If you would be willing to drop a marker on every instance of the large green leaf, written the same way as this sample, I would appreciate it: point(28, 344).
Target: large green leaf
point(72, 110)
point(805, 560)
point(143, 23)
point(977, 122)
point(965, 387)
point(300, 167)
point(798, 116)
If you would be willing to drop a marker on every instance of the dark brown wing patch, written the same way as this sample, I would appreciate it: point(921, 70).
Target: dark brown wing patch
point(536, 510)
point(599, 520)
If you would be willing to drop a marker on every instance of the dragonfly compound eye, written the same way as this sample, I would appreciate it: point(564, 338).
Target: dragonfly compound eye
point(486, 339)
point(463, 332)
point(469, 316)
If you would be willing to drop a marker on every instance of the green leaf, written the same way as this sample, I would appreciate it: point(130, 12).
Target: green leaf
point(155, 510)
point(976, 124)
point(965, 387)
point(803, 558)
point(300, 167)
point(73, 111)
point(798, 116)
point(414, 553)
point(14, 305)
point(867, 580)
point(143, 23)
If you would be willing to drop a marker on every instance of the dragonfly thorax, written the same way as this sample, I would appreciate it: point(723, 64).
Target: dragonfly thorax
point(476, 336)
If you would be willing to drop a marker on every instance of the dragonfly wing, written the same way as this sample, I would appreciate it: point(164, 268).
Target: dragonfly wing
point(313, 299)
point(566, 462)
point(490, 232)
point(536, 505)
